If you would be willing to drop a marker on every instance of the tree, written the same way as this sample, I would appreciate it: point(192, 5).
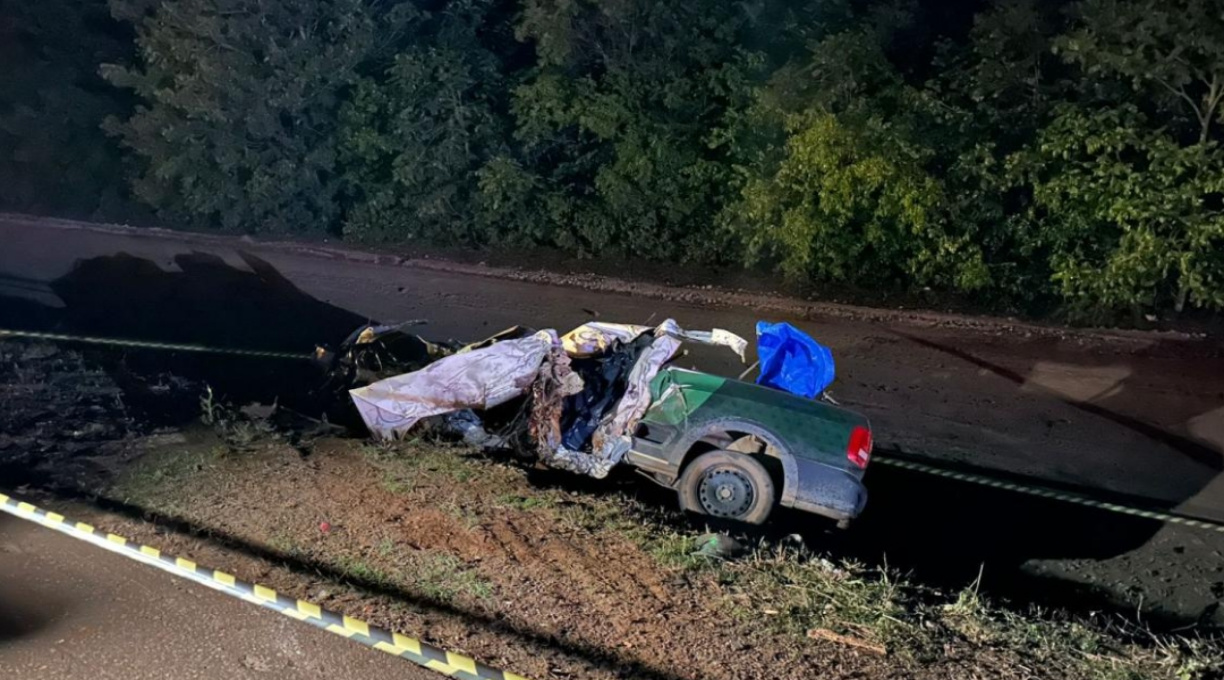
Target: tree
point(54, 156)
point(1131, 217)
point(239, 103)
point(1176, 47)
point(846, 203)
point(616, 122)
point(413, 135)
point(988, 99)
point(845, 194)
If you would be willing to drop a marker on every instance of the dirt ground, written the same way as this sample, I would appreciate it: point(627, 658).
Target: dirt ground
point(540, 572)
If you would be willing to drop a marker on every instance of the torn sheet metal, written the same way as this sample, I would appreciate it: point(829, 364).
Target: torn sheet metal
point(597, 337)
point(611, 441)
point(607, 441)
point(478, 379)
point(372, 353)
point(605, 378)
point(553, 384)
point(716, 336)
point(511, 333)
point(584, 431)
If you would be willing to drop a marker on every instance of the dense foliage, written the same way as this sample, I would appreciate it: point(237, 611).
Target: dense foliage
point(53, 155)
point(1016, 152)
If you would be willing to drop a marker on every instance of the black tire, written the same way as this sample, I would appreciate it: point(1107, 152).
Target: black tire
point(727, 485)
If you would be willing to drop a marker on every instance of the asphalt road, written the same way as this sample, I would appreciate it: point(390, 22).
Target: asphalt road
point(1141, 415)
point(70, 611)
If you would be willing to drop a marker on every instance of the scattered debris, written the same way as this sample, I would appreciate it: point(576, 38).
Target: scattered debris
point(58, 410)
point(372, 353)
point(826, 634)
point(720, 546)
point(579, 416)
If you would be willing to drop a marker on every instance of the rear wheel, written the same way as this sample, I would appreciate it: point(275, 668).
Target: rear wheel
point(727, 486)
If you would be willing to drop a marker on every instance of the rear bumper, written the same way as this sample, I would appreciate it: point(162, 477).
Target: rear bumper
point(827, 491)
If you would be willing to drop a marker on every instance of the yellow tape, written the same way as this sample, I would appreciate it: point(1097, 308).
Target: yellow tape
point(146, 344)
point(265, 593)
point(357, 626)
point(456, 665)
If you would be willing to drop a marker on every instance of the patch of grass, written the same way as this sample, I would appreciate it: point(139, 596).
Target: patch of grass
point(444, 577)
point(284, 544)
point(615, 513)
point(359, 569)
point(395, 484)
point(386, 548)
point(467, 515)
point(527, 503)
point(437, 575)
point(156, 479)
point(792, 590)
point(674, 550)
point(413, 463)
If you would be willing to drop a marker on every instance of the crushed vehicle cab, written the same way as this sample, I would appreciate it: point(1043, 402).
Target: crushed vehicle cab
point(733, 450)
point(605, 394)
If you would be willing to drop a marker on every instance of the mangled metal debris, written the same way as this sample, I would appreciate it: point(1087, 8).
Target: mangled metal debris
point(586, 389)
point(477, 379)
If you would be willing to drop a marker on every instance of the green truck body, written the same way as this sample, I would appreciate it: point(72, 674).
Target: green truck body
point(805, 444)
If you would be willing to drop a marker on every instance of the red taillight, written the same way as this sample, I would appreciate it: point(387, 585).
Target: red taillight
point(859, 449)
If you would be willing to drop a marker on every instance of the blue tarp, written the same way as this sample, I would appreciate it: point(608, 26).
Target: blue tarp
point(792, 361)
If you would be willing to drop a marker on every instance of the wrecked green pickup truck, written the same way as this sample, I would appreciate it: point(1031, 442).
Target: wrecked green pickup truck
point(733, 450)
point(605, 394)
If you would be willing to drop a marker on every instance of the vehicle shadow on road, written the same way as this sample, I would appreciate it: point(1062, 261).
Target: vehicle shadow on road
point(198, 299)
point(947, 530)
point(24, 610)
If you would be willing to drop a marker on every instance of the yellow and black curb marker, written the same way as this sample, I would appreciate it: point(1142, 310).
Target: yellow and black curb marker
point(146, 344)
point(1042, 492)
point(416, 651)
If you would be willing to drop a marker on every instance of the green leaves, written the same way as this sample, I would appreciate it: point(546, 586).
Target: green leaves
point(1133, 218)
point(53, 155)
point(1023, 158)
point(238, 122)
point(848, 202)
point(413, 136)
point(1174, 50)
point(618, 118)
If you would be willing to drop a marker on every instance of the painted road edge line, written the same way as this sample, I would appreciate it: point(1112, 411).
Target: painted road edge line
point(421, 653)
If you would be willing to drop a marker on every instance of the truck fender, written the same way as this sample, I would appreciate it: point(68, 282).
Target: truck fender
point(698, 431)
